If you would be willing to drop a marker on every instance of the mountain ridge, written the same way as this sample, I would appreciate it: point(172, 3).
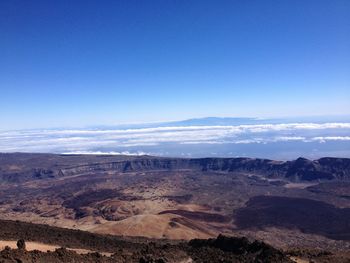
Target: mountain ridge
point(301, 169)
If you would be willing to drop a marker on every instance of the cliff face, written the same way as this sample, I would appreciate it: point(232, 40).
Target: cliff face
point(324, 168)
point(300, 169)
point(52, 166)
point(258, 166)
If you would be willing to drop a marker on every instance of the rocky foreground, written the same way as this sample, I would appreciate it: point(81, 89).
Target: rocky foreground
point(221, 249)
point(105, 248)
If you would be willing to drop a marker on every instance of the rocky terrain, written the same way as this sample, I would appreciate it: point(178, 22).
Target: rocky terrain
point(81, 246)
point(292, 205)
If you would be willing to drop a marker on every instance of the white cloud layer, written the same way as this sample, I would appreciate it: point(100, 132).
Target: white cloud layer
point(106, 153)
point(132, 141)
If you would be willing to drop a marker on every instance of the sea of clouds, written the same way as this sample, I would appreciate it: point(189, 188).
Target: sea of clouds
point(225, 140)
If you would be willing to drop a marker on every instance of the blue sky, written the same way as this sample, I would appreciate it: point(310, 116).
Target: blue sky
point(75, 63)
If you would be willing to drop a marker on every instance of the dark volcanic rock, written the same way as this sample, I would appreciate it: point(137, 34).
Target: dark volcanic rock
point(244, 250)
point(21, 244)
point(305, 214)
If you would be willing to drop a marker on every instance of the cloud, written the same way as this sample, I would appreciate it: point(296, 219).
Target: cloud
point(119, 141)
point(108, 153)
point(331, 138)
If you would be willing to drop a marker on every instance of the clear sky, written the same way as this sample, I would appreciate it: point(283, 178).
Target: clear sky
point(72, 63)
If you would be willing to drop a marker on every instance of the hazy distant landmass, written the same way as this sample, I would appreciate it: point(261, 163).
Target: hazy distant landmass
point(309, 137)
